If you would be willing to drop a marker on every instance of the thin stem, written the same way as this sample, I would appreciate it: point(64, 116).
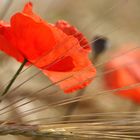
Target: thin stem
point(14, 78)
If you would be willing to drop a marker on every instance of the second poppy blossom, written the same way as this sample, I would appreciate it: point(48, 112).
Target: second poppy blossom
point(124, 72)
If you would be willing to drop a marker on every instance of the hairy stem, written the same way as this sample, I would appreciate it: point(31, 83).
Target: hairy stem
point(14, 78)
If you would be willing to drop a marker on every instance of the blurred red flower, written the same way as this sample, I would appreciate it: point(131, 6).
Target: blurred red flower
point(59, 50)
point(125, 71)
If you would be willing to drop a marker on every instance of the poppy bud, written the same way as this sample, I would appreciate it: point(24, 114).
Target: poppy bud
point(99, 45)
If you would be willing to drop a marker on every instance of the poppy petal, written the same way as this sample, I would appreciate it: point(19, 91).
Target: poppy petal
point(72, 81)
point(31, 38)
point(71, 30)
point(28, 11)
point(5, 45)
point(82, 71)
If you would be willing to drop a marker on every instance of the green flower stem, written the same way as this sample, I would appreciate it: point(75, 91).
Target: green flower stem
point(14, 78)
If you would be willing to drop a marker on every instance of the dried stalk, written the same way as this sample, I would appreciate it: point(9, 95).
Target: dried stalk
point(72, 130)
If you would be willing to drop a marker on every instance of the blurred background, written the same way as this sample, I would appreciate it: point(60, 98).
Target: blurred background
point(117, 20)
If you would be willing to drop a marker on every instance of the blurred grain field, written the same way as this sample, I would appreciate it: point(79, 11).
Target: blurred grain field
point(118, 20)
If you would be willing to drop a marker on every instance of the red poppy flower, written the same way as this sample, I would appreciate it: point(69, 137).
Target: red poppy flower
point(52, 48)
point(125, 72)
